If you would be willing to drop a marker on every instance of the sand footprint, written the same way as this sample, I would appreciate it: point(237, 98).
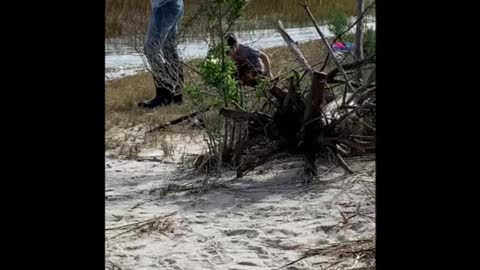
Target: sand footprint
point(217, 255)
point(172, 264)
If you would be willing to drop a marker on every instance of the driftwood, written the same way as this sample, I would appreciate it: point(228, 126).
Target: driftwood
point(297, 127)
point(307, 121)
point(293, 47)
point(313, 110)
point(363, 92)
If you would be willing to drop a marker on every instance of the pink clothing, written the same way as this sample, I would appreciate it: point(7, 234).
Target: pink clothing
point(339, 45)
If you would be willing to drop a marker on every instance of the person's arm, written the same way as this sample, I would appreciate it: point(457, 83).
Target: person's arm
point(266, 62)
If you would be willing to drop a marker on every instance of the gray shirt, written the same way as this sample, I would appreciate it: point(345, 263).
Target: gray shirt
point(248, 57)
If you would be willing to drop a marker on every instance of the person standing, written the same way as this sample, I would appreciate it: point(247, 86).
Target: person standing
point(161, 52)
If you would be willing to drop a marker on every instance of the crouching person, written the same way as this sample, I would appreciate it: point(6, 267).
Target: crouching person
point(252, 64)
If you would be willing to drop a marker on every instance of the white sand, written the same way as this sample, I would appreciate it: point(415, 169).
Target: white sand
point(262, 221)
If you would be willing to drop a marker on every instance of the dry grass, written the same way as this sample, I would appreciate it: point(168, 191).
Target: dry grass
point(163, 225)
point(167, 148)
point(122, 97)
point(283, 60)
point(123, 94)
point(259, 14)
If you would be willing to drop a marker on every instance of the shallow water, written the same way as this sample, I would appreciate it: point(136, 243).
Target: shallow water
point(122, 60)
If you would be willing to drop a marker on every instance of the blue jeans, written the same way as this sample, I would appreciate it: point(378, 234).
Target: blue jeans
point(160, 46)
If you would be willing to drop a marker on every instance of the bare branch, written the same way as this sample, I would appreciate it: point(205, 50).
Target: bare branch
point(293, 47)
point(339, 66)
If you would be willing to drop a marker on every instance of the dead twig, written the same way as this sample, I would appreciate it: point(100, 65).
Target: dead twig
point(343, 249)
point(114, 265)
point(140, 222)
point(344, 116)
point(150, 224)
point(340, 159)
point(363, 91)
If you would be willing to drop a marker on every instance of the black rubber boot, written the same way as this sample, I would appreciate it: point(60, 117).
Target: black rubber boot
point(163, 97)
point(178, 99)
